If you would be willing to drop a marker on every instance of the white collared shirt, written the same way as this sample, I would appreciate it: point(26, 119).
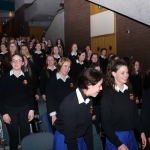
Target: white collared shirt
point(125, 87)
point(73, 53)
point(4, 52)
point(80, 98)
point(103, 56)
point(58, 76)
point(77, 61)
point(38, 52)
point(11, 73)
point(50, 68)
point(57, 56)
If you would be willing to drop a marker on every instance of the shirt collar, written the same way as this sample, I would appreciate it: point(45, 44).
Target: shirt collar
point(50, 68)
point(56, 57)
point(59, 77)
point(125, 87)
point(103, 56)
point(4, 53)
point(21, 73)
point(73, 53)
point(77, 61)
point(38, 52)
point(80, 97)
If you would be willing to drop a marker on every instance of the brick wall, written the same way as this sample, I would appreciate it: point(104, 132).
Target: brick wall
point(77, 23)
point(136, 43)
point(17, 26)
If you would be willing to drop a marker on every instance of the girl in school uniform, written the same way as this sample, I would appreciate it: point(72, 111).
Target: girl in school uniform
point(39, 59)
point(49, 46)
point(73, 55)
point(118, 110)
point(58, 87)
point(78, 66)
point(16, 101)
point(5, 60)
point(135, 79)
point(46, 73)
point(55, 53)
point(74, 121)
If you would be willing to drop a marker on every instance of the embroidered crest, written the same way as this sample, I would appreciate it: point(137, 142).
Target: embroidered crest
point(71, 85)
point(25, 82)
point(91, 109)
point(131, 97)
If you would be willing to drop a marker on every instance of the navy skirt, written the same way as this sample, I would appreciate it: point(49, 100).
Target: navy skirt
point(126, 137)
point(60, 145)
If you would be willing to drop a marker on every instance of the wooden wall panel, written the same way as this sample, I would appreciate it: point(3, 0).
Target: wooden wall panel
point(0, 29)
point(104, 41)
point(94, 9)
point(37, 32)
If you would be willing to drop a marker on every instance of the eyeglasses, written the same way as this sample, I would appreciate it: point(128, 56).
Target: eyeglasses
point(16, 61)
point(12, 46)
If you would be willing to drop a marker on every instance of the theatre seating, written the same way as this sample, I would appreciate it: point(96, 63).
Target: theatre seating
point(38, 141)
point(96, 139)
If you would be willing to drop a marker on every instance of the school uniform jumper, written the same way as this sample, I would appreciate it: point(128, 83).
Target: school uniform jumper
point(119, 117)
point(74, 123)
point(16, 99)
point(56, 90)
point(44, 76)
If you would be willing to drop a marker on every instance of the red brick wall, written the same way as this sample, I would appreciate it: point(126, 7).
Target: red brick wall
point(136, 43)
point(77, 23)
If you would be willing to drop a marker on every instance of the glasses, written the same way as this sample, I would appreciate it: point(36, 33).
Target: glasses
point(16, 61)
point(12, 46)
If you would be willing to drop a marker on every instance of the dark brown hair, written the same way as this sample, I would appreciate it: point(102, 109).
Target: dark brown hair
point(88, 77)
point(113, 66)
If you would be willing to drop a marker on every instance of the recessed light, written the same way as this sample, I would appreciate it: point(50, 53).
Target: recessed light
point(49, 17)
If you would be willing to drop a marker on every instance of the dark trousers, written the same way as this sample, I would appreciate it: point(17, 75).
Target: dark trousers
point(19, 119)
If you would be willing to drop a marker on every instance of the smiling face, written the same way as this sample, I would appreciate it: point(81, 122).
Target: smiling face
point(12, 48)
point(17, 62)
point(82, 57)
point(24, 50)
point(55, 50)
point(50, 61)
point(3, 48)
point(93, 90)
point(64, 70)
point(121, 75)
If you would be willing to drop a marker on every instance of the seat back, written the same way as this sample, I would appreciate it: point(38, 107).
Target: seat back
point(44, 118)
point(38, 141)
point(96, 139)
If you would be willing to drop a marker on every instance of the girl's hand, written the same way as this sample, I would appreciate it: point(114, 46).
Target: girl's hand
point(37, 97)
point(44, 97)
point(7, 118)
point(143, 140)
point(122, 147)
point(53, 119)
point(94, 117)
point(30, 115)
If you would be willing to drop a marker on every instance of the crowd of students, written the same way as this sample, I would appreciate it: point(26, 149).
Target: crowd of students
point(67, 84)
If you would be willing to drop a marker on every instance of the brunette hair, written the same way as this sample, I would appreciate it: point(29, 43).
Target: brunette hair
point(131, 67)
point(94, 65)
point(97, 58)
point(88, 77)
point(28, 67)
point(114, 66)
point(28, 54)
